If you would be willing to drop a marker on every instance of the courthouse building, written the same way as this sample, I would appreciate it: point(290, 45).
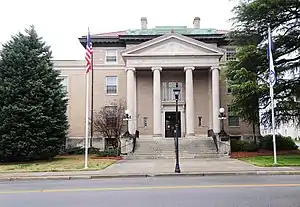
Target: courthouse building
point(143, 66)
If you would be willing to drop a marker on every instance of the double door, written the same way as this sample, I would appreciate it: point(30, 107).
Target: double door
point(170, 123)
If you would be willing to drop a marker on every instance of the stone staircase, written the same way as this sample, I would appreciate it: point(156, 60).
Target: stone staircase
point(164, 148)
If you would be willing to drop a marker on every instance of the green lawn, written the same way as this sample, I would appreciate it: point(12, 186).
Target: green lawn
point(61, 163)
point(267, 161)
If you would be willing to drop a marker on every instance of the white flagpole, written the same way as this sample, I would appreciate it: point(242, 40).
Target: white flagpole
point(272, 94)
point(86, 122)
point(273, 124)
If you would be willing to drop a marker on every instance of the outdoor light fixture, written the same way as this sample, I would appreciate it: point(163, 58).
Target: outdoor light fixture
point(221, 110)
point(127, 118)
point(176, 92)
point(222, 116)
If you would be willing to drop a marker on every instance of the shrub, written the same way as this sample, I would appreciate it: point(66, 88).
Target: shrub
point(110, 152)
point(92, 150)
point(250, 147)
point(79, 151)
point(243, 146)
point(282, 143)
point(236, 145)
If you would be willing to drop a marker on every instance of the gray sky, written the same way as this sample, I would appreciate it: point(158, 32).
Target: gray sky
point(61, 22)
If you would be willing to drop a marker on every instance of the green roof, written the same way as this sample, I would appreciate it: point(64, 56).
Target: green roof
point(160, 30)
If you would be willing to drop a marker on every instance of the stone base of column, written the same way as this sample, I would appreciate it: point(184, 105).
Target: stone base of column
point(190, 135)
point(157, 135)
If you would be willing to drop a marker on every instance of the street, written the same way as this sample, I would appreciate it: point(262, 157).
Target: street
point(225, 191)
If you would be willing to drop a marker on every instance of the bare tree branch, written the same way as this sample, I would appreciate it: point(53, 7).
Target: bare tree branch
point(109, 121)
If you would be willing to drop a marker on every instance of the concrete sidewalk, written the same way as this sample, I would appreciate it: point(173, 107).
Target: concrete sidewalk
point(160, 167)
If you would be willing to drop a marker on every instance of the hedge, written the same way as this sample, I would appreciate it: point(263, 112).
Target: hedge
point(243, 146)
point(282, 143)
point(266, 143)
point(92, 150)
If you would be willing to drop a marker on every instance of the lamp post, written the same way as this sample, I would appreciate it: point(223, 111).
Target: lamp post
point(222, 116)
point(176, 94)
point(127, 118)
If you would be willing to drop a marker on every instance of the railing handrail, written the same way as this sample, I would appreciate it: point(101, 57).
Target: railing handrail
point(132, 139)
point(212, 134)
point(215, 141)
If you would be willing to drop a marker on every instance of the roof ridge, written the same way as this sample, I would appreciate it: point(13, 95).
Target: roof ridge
point(160, 30)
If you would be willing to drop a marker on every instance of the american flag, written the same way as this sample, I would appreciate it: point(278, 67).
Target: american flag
point(88, 53)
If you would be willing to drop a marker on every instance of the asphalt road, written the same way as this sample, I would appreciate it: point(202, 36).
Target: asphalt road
point(221, 191)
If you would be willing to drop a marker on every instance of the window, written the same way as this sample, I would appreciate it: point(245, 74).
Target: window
point(111, 56)
point(168, 94)
point(230, 54)
point(199, 121)
point(111, 85)
point(145, 121)
point(64, 82)
point(111, 116)
point(233, 119)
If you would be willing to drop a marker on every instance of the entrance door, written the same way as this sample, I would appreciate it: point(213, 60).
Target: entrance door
point(170, 121)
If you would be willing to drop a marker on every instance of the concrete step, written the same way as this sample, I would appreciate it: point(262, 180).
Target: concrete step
point(162, 148)
point(170, 156)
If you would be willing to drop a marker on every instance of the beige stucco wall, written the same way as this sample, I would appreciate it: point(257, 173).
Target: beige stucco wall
point(145, 99)
point(77, 91)
point(99, 56)
point(75, 72)
point(201, 98)
point(144, 80)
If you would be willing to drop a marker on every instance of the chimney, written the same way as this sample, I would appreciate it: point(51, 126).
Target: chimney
point(196, 22)
point(144, 23)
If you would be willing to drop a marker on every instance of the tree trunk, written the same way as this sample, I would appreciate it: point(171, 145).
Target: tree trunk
point(119, 145)
point(253, 128)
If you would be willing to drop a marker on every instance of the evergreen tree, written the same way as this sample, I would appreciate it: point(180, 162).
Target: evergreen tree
point(251, 21)
point(33, 121)
point(244, 76)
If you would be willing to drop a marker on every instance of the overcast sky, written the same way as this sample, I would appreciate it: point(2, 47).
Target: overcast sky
point(61, 22)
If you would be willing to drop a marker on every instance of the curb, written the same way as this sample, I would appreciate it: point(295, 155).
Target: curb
point(195, 174)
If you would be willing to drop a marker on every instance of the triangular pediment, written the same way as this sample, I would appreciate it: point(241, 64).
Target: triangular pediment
point(172, 44)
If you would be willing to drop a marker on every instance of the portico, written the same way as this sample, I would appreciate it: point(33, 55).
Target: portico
point(172, 58)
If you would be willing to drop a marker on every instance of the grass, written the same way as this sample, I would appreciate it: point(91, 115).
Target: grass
point(61, 163)
point(267, 161)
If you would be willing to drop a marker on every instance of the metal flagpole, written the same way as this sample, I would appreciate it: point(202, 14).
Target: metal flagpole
point(88, 56)
point(92, 101)
point(86, 122)
point(273, 124)
point(272, 82)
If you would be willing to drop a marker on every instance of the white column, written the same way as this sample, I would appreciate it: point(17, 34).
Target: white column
point(210, 121)
point(131, 98)
point(157, 132)
point(215, 74)
point(135, 120)
point(189, 99)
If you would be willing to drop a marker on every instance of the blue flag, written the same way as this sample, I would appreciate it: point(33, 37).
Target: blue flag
point(272, 75)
